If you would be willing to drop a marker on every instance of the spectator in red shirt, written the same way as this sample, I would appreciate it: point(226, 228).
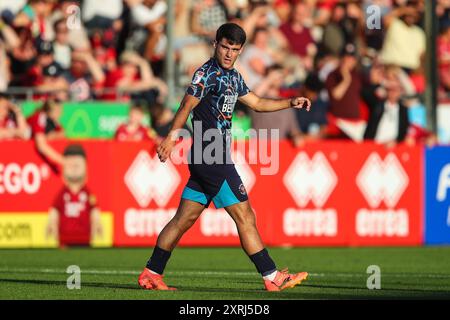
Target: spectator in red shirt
point(134, 130)
point(84, 75)
point(134, 78)
point(53, 84)
point(45, 58)
point(344, 89)
point(44, 125)
point(46, 74)
point(74, 217)
point(299, 36)
point(12, 121)
point(444, 57)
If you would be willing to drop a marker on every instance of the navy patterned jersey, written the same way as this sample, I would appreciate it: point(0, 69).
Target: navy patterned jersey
point(218, 90)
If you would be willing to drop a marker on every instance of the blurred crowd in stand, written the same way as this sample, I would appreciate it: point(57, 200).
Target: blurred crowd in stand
point(362, 63)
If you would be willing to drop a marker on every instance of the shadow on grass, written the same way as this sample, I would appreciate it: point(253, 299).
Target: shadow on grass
point(64, 283)
point(301, 292)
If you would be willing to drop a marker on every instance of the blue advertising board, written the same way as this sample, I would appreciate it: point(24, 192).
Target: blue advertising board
point(437, 195)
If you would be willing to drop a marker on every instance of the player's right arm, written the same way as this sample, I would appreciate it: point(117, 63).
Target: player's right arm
point(188, 103)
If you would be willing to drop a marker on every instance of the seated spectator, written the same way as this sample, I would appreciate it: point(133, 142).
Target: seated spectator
point(53, 84)
point(162, 119)
point(44, 125)
point(8, 36)
point(8, 42)
point(100, 15)
point(283, 120)
point(85, 74)
point(444, 58)
point(10, 8)
point(74, 217)
point(420, 135)
point(388, 121)
point(36, 16)
point(45, 58)
point(256, 58)
point(134, 130)
point(104, 50)
point(148, 21)
point(299, 36)
point(282, 8)
point(22, 58)
point(344, 27)
point(374, 36)
point(207, 17)
point(134, 77)
point(344, 87)
point(324, 11)
point(61, 46)
point(12, 122)
point(76, 34)
point(313, 124)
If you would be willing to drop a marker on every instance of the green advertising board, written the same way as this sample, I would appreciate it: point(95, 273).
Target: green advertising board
point(84, 120)
point(88, 119)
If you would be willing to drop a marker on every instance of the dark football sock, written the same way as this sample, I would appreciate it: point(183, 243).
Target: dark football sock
point(263, 262)
point(158, 260)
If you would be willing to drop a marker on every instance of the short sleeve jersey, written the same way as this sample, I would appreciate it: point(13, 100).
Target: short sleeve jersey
point(74, 215)
point(218, 90)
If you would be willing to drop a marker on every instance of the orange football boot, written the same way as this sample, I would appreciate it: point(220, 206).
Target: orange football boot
point(150, 281)
point(284, 280)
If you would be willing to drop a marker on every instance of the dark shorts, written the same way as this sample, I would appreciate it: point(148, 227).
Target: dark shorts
point(220, 184)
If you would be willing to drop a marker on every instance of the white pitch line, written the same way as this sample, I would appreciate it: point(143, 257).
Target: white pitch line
point(217, 273)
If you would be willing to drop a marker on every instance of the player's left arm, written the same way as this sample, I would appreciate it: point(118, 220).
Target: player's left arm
point(268, 105)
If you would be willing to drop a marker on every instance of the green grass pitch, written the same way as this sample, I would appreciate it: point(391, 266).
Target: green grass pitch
point(227, 273)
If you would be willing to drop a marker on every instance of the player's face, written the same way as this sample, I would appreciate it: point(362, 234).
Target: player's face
point(74, 169)
point(227, 53)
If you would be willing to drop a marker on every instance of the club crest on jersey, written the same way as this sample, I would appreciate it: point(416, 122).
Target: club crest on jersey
point(198, 77)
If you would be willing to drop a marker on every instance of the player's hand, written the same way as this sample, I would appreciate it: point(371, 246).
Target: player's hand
point(165, 148)
point(300, 103)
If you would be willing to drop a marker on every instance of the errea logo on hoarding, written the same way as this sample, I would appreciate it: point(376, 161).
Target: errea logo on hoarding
point(382, 181)
point(310, 180)
point(148, 178)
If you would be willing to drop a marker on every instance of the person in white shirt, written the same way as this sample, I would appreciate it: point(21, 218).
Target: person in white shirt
point(388, 120)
